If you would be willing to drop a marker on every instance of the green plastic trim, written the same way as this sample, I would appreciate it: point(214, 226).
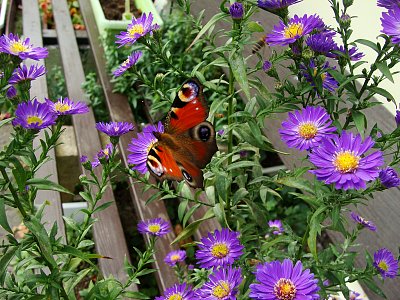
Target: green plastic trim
point(145, 6)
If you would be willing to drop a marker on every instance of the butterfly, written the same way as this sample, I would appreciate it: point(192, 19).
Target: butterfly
point(188, 142)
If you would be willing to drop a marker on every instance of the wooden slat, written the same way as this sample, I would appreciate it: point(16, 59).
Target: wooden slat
point(120, 110)
point(32, 29)
point(383, 210)
point(10, 18)
point(108, 233)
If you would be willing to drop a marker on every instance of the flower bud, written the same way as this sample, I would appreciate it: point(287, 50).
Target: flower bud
point(236, 10)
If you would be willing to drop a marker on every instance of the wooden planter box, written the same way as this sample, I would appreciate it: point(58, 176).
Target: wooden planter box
point(103, 24)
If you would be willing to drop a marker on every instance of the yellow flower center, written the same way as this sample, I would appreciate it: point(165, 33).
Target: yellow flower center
point(136, 29)
point(221, 290)
point(175, 257)
point(383, 265)
point(293, 30)
point(34, 120)
point(106, 152)
point(346, 162)
point(17, 47)
point(308, 130)
point(175, 297)
point(284, 289)
point(219, 250)
point(61, 107)
point(154, 228)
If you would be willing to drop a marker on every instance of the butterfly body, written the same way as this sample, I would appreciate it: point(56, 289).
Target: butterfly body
point(188, 141)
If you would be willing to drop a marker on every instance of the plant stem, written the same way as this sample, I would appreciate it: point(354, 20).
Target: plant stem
point(231, 91)
point(13, 192)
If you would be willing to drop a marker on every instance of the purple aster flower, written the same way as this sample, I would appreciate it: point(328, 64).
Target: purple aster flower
point(114, 128)
point(389, 178)
point(83, 159)
point(355, 296)
point(391, 23)
point(353, 53)
point(342, 160)
point(279, 281)
point(13, 45)
point(174, 257)
point(221, 132)
point(322, 42)
point(219, 249)
point(24, 74)
point(389, 4)
point(128, 63)
point(275, 4)
point(102, 154)
point(141, 145)
point(11, 92)
point(136, 29)
point(65, 106)
point(385, 263)
point(305, 129)
point(178, 292)
point(277, 226)
point(397, 118)
point(267, 65)
point(34, 115)
point(157, 227)
point(365, 223)
point(236, 10)
point(296, 28)
point(222, 285)
point(311, 73)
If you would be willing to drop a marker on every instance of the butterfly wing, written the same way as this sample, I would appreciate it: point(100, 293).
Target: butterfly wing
point(188, 142)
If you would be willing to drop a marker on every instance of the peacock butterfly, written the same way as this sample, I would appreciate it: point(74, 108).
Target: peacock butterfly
point(188, 142)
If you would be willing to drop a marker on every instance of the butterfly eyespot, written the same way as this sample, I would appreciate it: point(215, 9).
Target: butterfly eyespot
point(204, 133)
point(187, 177)
point(188, 92)
point(155, 166)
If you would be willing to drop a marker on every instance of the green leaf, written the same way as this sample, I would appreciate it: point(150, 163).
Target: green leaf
point(44, 184)
point(5, 261)
point(206, 27)
point(136, 295)
point(4, 122)
point(383, 67)
point(238, 67)
point(373, 287)
point(80, 254)
point(192, 227)
point(298, 183)
point(255, 27)
point(70, 284)
point(360, 121)
point(42, 238)
point(368, 43)
point(103, 206)
point(380, 91)
point(182, 208)
point(3, 216)
point(242, 164)
point(315, 229)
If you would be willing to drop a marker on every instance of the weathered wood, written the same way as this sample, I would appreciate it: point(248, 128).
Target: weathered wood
point(385, 207)
point(120, 110)
point(108, 233)
point(10, 18)
point(53, 212)
point(50, 36)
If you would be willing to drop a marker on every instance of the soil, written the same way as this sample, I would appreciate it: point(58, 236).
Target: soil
point(113, 10)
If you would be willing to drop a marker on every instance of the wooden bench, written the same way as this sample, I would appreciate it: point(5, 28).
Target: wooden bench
point(108, 233)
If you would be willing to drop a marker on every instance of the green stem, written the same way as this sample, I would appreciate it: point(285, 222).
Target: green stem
point(13, 192)
point(231, 91)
